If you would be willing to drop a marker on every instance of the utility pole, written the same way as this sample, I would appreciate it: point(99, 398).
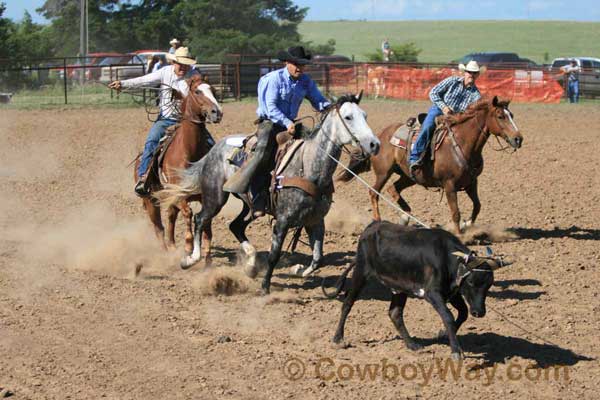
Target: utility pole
point(83, 40)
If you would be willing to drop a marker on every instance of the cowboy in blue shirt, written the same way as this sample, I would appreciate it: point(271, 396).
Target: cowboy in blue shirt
point(280, 94)
point(452, 95)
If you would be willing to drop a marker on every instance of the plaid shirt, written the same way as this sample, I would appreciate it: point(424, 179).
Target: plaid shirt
point(452, 93)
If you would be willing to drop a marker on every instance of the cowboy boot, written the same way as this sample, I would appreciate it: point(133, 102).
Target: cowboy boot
point(239, 182)
point(140, 187)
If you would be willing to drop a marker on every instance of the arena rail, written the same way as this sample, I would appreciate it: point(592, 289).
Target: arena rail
point(67, 80)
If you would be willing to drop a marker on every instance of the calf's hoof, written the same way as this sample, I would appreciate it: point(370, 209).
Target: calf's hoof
point(412, 345)
point(339, 342)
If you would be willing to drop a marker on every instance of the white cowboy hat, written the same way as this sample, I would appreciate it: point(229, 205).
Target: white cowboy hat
point(174, 41)
point(182, 56)
point(471, 66)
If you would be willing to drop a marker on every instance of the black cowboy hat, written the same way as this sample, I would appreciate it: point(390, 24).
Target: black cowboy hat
point(295, 55)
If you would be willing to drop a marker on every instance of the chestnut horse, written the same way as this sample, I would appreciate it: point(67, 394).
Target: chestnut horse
point(458, 160)
point(190, 143)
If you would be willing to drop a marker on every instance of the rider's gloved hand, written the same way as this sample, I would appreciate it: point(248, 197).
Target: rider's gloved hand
point(291, 129)
point(115, 85)
point(447, 110)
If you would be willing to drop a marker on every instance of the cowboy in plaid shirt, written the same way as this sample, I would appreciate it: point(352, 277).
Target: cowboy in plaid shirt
point(452, 95)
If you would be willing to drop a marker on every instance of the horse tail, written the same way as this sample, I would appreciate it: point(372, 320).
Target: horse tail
point(191, 182)
point(357, 165)
point(339, 285)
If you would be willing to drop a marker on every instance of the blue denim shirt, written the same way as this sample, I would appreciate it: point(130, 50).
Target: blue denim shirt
point(280, 96)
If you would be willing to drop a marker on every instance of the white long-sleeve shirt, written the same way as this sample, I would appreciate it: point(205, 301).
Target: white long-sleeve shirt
point(169, 107)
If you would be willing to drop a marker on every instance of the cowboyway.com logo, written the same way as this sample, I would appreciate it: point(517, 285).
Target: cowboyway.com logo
point(422, 373)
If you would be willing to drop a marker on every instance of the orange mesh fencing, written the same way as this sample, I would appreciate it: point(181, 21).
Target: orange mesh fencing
point(414, 83)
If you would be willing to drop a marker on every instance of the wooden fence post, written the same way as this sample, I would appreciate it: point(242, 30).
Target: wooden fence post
point(65, 77)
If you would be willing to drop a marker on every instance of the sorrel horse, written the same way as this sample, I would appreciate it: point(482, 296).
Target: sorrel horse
point(190, 143)
point(315, 162)
point(458, 161)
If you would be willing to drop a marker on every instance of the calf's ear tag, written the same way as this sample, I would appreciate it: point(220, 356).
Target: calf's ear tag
point(462, 255)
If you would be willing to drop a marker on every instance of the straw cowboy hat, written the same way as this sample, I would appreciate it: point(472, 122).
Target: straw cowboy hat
point(182, 56)
point(174, 41)
point(295, 55)
point(471, 66)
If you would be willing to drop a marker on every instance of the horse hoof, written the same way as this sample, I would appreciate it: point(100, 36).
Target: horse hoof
point(309, 271)
point(296, 269)
point(251, 271)
point(187, 262)
point(302, 270)
point(465, 224)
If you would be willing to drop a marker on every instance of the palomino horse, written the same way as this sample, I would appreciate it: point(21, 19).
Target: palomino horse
point(342, 123)
point(190, 143)
point(458, 161)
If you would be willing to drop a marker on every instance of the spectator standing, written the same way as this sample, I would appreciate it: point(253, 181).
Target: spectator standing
point(572, 72)
point(155, 64)
point(386, 49)
point(175, 44)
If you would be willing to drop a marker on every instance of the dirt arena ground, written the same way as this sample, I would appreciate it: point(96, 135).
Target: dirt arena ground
point(76, 324)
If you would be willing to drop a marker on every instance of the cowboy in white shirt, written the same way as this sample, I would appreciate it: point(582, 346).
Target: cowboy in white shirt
point(169, 77)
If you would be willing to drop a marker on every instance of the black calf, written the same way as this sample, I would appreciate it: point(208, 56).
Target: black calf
point(430, 264)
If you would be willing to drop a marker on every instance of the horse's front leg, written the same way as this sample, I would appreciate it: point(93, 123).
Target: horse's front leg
point(248, 252)
point(316, 233)
point(189, 235)
point(474, 196)
point(453, 204)
point(207, 242)
point(279, 231)
point(202, 223)
point(172, 214)
point(152, 207)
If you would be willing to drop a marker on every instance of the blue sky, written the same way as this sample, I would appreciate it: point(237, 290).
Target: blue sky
point(577, 10)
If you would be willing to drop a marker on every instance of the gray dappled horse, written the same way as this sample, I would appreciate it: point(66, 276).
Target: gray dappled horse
point(342, 123)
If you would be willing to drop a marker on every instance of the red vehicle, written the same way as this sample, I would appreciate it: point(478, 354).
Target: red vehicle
point(92, 60)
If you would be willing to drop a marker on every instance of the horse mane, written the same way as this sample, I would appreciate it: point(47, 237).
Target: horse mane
point(347, 98)
point(471, 111)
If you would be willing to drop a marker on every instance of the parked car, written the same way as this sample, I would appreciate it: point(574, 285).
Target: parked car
point(589, 77)
point(498, 60)
point(125, 67)
point(92, 61)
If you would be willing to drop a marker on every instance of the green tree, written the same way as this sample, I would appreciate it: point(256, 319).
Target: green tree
point(30, 40)
point(211, 28)
point(406, 52)
point(6, 31)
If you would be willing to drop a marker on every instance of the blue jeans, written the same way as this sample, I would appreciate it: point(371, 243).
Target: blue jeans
point(573, 91)
point(156, 133)
point(426, 133)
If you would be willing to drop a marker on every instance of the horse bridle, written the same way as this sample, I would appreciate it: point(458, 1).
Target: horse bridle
point(192, 93)
point(355, 139)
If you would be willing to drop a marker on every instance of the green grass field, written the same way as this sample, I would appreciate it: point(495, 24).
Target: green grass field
point(443, 41)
